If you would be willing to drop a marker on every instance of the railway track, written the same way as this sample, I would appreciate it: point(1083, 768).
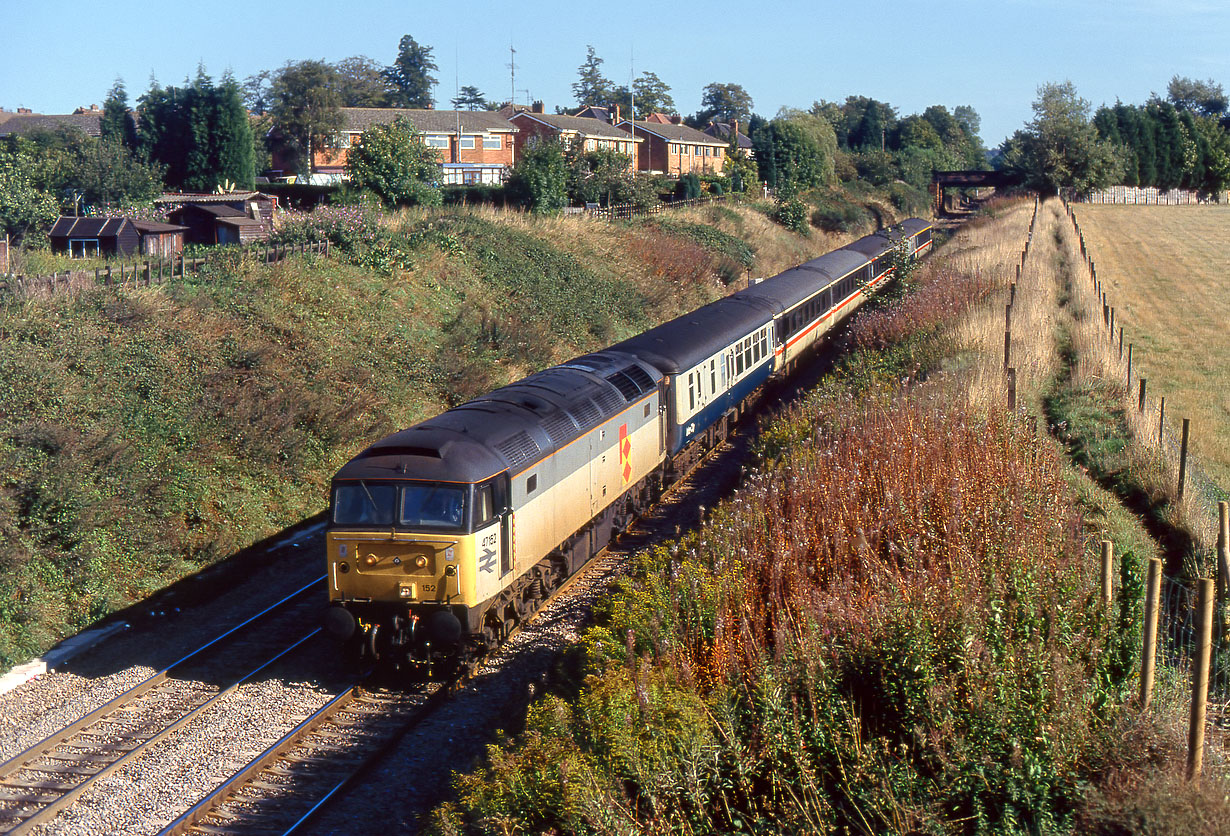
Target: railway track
point(49, 777)
point(281, 789)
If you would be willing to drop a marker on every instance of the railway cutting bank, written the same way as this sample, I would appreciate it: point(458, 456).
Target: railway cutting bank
point(899, 623)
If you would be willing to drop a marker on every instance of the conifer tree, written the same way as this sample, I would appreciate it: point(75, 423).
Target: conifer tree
point(117, 125)
point(410, 76)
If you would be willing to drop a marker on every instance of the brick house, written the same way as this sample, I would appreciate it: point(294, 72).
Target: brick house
point(594, 133)
point(674, 149)
point(473, 146)
point(87, 120)
point(723, 130)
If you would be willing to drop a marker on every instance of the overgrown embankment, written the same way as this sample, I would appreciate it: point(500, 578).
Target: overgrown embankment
point(894, 627)
point(145, 433)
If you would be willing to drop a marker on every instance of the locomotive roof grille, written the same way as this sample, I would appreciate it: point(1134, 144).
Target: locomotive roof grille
point(519, 448)
point(560, 428)
point(626, 386)
point(608, 401)
point(585, 413)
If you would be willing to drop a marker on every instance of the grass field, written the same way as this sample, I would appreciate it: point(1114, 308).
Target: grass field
point(1166, 271)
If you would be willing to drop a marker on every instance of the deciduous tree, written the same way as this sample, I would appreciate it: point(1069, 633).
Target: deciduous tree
point(393, 163)
point(1060, 148)
point(539, 179)
point(306, 105)
point(362, 82)
point(723, 103)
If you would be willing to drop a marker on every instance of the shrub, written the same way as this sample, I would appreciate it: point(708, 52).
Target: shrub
point(792, 214)
point(688, 186)
point(836, 214)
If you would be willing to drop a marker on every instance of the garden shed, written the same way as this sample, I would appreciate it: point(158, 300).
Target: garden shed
point(88, 237)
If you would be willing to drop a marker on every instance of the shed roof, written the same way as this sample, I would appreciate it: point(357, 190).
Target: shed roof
point(218, 210)
point(358, 119)
point(71, 227)
point(154, 227)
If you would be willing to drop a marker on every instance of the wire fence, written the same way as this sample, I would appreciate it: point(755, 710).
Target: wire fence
point(1176, 647)
point(1167, 434)
point(627, 211)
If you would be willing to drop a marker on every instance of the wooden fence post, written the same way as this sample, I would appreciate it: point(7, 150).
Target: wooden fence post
point(1108, 564)
point(1153, 601)
point(1187, 423)
point(1161, 421)
point(1007, 346)
point(1012, 390)
point(1200, 679)
point(1121, 349)
point(1142, 383)
point(1129, 369)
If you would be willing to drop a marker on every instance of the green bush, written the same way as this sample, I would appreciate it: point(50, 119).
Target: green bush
point(792, 214)
point(837, 214)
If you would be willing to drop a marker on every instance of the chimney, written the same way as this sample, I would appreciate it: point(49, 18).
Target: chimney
point(616, 120)
point(24, 110)
point(536, 107)
point(676, 119)
point(734, 127)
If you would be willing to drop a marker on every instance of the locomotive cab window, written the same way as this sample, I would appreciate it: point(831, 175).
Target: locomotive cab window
point(484, 506)
point(426, 505)
point(364, 503)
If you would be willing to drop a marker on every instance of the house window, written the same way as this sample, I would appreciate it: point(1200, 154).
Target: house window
point(471, 176)
point(435, 141)
point(492, 143)
point(82, 247)
point(467, 143)
point(589, 145)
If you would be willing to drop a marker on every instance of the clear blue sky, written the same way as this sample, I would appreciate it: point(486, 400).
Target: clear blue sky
point(992, 55)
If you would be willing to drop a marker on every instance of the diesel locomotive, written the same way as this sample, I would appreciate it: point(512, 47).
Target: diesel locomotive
point(443, 537)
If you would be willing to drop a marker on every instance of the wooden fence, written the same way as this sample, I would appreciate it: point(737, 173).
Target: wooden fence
point(152, 272)
point(627, 211)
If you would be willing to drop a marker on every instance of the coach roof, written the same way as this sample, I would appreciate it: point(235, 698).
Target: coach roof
point(680, 344)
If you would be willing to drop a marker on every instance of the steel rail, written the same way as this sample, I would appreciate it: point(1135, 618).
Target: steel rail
point(214, 804)
point(27, 759)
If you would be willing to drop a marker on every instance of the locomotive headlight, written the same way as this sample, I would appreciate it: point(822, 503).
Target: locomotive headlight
point(421, 561)
point(370, 560)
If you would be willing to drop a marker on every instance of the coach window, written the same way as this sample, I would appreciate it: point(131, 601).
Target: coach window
point(691, 392)
point(713, 375)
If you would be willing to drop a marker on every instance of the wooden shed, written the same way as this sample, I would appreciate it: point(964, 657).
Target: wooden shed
point(160, 240)
point(218, 223)
point(89, 237)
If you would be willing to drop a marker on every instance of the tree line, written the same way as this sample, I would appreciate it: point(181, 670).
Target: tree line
point(1180, 141)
